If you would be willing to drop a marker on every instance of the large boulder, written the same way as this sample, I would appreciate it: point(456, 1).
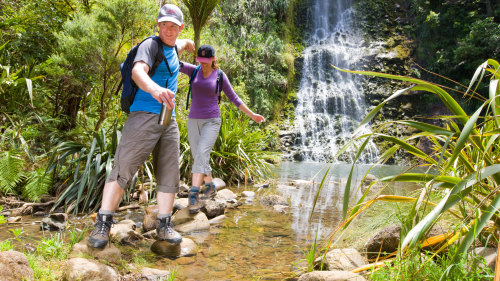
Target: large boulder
point(331, 276)
point(14, 266)
point(489, 255)
point(89, 270)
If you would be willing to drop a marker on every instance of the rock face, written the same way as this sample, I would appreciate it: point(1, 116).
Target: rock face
point(83, 269)
point(14, 266)
point(489, 255)
point(331, 276)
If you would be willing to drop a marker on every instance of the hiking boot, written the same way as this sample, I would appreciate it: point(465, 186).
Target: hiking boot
point(210, 191)
point(194, 201)
point(99, 237)
point(166, 232)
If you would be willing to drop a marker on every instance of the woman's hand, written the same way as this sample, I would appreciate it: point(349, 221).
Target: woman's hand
point(258, 118)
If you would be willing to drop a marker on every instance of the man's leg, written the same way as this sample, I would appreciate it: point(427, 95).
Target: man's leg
point(166, 165)
point(112, 194)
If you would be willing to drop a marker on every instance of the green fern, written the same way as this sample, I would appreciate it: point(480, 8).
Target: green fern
point(10, 171)
point(38, 184)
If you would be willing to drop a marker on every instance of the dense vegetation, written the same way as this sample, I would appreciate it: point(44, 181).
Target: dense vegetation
point(60, 119)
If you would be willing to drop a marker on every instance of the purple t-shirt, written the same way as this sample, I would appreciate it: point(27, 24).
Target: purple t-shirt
point(204, 104)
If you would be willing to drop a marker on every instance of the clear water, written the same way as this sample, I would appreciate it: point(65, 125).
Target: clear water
point(254, 242)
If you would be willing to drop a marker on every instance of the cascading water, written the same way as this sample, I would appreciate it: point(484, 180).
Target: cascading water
point(330, 102)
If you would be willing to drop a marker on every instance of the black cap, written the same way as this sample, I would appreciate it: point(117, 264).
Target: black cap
point(206, 51)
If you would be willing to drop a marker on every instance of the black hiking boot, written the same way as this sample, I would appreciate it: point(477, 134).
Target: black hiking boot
point(99, 237)
point(166, 232)
point(194, 200)
point(209, 192)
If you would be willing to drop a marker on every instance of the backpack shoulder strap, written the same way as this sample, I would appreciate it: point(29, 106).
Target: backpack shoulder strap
point(190, 93)
point(220, 81)
point(159, 56)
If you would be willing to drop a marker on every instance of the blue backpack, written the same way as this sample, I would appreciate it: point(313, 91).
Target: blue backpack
point(129, 87)
point(218, 87)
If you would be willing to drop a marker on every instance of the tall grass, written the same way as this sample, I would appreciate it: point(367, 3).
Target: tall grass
point(464, 165)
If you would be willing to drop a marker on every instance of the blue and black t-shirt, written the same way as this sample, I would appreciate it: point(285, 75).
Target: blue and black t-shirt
point(146, 53)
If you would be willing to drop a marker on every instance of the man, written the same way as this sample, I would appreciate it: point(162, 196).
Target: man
point(142, 135)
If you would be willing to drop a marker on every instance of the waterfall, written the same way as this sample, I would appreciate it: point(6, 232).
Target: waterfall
point(330, 102)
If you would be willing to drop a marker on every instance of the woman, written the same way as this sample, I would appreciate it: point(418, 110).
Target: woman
point(204, 120)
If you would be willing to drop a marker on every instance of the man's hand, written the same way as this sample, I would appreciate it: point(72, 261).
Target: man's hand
point(185, 45)
point(164, 95)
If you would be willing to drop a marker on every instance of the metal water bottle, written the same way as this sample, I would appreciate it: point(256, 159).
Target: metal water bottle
point(165, 115)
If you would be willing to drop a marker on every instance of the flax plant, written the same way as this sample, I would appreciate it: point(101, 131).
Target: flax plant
point(464, 165)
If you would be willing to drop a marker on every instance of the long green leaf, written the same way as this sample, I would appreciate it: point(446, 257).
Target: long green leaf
point(455, 195)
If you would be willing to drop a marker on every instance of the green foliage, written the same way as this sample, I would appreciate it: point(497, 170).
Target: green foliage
point(85, 169)
point(11, 173)
point(200, 11)
point(38, 183)
point(463, 163)
point(2, 218)
point(239, 152)
point(482, 40)
point(248, 36)
point(6, 245)
point(416, 267)
point(52, 248)
point(90, 49)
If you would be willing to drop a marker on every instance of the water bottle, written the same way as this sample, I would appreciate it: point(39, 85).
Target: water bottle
point(165, 115)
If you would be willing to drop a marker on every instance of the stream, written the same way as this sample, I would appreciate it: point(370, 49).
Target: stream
point(254, 242)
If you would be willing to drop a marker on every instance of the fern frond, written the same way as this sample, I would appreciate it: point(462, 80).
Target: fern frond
point(11, 172)
point(38, 184)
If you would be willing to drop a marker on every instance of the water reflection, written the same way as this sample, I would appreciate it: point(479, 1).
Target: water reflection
point(328, 210)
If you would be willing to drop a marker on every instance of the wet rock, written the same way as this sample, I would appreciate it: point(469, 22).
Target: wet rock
point(281, 209)
point(183, 187)
point(54, 222)
point(248, 194)
point(124, 232)
point(153, 274)
point(83, 269)
point(225, 194)
point(186, 248)
point(109, 253)
point(331, 276)
point(149, 218)
point(217, 220)
point(301, 182)
point(271, 200)
point(197, 222)
point(219, 183)
point(214, 207)
point(341, 259)
point(263, 185)
point(180, 203)
point(13, 219)
point(14, 266)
